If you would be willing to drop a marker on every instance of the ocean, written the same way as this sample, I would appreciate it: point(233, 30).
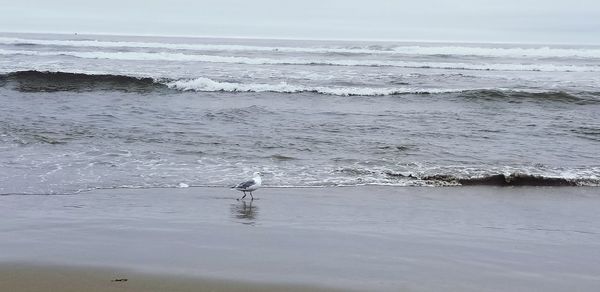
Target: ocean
point(83, 112)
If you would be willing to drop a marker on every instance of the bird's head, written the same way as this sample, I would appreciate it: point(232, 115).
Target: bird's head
point(257, 174)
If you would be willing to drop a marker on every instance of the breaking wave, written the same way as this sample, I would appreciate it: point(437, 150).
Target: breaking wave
point(205, 84)
point(40, 81)
point(465, 176)
point(66, 81)
point(513, 179)
point(167, 56)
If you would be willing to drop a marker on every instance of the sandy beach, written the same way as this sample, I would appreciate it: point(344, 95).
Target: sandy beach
point(354, 238)
point(19, 277)
point(391, 146)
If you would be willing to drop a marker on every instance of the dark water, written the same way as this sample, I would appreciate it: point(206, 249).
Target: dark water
point(83, 112)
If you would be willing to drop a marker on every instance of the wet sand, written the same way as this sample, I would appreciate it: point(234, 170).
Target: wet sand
point(360, 238)
point(30, 278)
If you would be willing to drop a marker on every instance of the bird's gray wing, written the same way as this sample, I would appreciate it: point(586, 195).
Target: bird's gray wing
point(245, 184)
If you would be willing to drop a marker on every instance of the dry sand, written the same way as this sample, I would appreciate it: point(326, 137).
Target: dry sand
point(362, 238)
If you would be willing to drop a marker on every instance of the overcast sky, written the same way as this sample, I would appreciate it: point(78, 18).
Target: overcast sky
point(560, 21)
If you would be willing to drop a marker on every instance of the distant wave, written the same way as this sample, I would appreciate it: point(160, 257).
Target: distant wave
point(515, 52)
point(166, 56)
point(432, 49)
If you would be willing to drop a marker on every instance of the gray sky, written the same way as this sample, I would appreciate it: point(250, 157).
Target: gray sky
point(560, 21)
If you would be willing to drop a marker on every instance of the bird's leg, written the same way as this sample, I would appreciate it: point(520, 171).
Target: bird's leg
point(242, 196)
point(251, 196)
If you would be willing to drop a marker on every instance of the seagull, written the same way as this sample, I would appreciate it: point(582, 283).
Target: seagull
point(249, 186)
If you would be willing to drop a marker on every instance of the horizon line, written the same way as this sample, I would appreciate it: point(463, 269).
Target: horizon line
point(297, 38)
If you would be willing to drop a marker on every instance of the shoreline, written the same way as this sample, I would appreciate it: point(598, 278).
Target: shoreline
point(21, 277)
point(348, 238)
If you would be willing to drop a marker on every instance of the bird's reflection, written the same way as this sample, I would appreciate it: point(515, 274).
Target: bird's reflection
point(244, 212)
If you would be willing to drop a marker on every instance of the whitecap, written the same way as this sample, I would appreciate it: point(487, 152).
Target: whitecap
point(206, 84)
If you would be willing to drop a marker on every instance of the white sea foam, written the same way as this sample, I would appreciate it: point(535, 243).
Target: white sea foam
point(206, 84)
point(184, 46)
point(166, 56)
point(457, 50)
point(544, 52)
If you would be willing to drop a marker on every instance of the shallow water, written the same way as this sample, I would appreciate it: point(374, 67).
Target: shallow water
point(371, 238)
point(166, 111)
